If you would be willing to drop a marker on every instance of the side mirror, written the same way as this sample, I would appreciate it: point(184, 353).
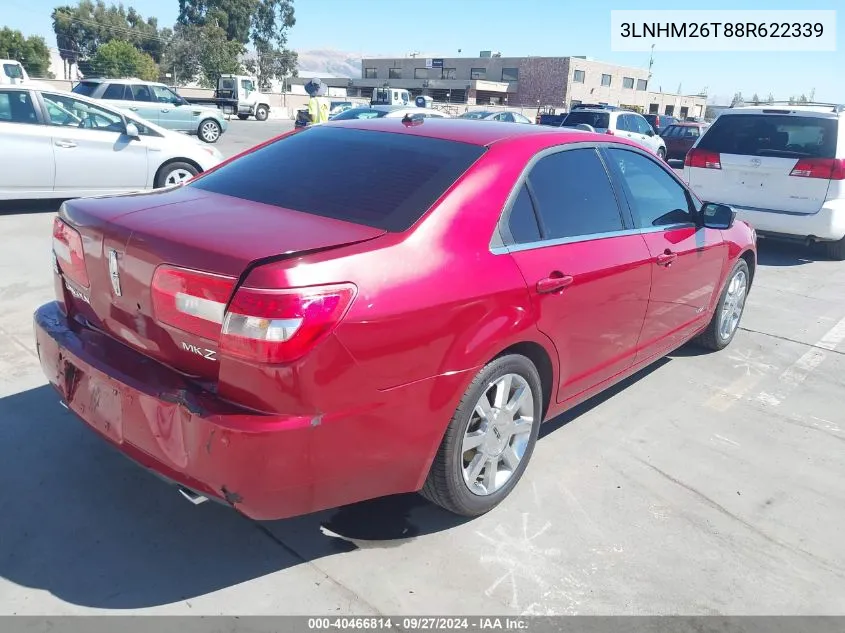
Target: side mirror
point(132, 130)
point(717, 216)
point(650, 132)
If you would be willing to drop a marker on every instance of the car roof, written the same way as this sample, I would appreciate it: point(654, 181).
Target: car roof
point(483, 133)
point(123, 80)
point(686, 123)
point(831, 111)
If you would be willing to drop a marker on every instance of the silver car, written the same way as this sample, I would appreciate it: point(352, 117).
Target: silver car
point(623, 123)
point(56, 144)
point(497, 115)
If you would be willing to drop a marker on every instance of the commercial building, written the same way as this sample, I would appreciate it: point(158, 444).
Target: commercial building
point(559, 82)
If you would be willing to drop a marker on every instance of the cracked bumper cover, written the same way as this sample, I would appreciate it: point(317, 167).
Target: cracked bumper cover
point(266, 466)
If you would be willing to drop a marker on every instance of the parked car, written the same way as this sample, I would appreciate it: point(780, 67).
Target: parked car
point(336, 107)
point(157, 104)
point(303, 119)
point(783, 168)
point(237, 94)
point(614, 122)
point(680, 138)
point(660, 122)
point(306, 342)
point(495, 115)
point(56, 144)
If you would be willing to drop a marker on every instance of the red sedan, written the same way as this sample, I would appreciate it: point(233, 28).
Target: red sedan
point(372, 307)
point(680, 137)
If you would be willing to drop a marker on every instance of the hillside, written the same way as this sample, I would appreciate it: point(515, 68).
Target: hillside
point(336, 63)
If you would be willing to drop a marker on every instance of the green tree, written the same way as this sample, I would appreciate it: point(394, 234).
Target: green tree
point(31, 52)
point(203, 53)
point(118, 58)
point(755, 98)
point(803, 99)
point(770, 98)
point(737, 100)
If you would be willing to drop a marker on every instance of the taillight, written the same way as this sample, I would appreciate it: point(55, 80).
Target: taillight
point(67, 246)
point(191, 301)
point(826, 168)
point(280, 326)
point(703, 159)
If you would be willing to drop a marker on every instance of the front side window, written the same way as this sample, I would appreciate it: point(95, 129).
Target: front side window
point(162, 94)
point(116, 92)
point(142, 92)
point(16, 106)
point(247, 85)
point(67, 112)
point(640, 125)
point(657, 199)
point(13, 71)
point(574, 196)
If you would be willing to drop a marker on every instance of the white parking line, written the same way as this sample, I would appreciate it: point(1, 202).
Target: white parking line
point(795, 375)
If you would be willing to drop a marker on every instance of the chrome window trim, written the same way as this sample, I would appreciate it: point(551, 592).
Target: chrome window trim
point(505, 249)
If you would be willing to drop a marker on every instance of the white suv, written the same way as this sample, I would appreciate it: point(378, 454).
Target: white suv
point(781, 167)
point(622, 123)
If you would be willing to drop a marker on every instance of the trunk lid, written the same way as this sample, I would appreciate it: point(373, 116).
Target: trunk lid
point(188, 228)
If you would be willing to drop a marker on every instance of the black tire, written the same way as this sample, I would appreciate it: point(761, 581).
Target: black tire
point(261, 113)
point(661, 153)
point(445, 484)
point(166, 170)
point(205, 133)
point(836, 250)
point(711, 338)
point(243, 117)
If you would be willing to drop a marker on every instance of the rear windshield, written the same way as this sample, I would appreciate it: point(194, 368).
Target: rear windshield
point(378, 179)
point(772, 135)
point(594, 119)
point(359, 113)
point(86, 88)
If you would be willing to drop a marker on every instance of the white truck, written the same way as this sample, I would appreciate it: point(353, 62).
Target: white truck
point(12, 72)
point(238, 94)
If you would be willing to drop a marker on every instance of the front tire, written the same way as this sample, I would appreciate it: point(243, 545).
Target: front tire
point(490, 439)
point(174, 174)
point(836, 250)
point(261, 113)
point(209, 131)
point(725, 321)
point(243, 117)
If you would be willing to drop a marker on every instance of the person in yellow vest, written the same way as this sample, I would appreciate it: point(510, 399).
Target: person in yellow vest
point(318, 105)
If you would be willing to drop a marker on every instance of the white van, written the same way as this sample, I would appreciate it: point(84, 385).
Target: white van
point(12, 72)
point(390, 96)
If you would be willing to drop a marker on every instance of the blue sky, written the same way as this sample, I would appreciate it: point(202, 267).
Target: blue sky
point(524, 27)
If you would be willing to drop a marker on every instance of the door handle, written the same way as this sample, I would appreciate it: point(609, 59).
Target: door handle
point(66, 144)
point(133, 108)
point(165, 110)
point(666, 258)
point(553, 283)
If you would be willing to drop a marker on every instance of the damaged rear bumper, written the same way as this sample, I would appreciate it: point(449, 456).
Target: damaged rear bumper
point(266, 466)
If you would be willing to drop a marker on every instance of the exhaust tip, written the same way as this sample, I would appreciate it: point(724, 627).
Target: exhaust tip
point(192, 496)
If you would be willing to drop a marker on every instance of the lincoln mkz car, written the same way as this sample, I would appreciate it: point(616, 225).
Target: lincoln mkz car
point(371, 307)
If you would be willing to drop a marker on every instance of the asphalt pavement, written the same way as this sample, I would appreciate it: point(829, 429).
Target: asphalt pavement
point(710, 483)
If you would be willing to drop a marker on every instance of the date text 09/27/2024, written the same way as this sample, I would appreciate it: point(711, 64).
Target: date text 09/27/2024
point(418, 623)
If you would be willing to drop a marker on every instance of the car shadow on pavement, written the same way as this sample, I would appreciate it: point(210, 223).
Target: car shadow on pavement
point(776, 253)
point(82, 522)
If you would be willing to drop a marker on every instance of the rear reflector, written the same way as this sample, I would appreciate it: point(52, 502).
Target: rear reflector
point(191, 301)
point(703, 159)
point(280, 326)
point(825, 168)
point(67, 247)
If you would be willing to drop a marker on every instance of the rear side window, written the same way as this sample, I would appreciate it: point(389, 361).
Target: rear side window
point(378, 179)
point(595, 119)
point(775, 135)
point(573, 194)
point(522, 222)
point(672, 130)
point(116, 91)
point(85, 88)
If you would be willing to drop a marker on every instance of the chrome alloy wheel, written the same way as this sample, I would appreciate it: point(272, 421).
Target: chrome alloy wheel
point(497, 434)
point(176, 176)
point(733, 304)
point(210, 131)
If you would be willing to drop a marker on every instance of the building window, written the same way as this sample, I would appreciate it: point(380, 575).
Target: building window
point(370, 73)
point(670, 110)
point(605, 80)
point(654, 108)
point(579, 77)
point(510, 74)
point(642, 84)
point(478, 73)
point(394, 73)
point(450, 73)
point(420, 73)
point(628, 82)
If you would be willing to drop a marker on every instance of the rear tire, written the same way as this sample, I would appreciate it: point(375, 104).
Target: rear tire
point(174, 173)
point(836, 250)
point(243, 117)
point(261, 113)
point(498, 444)
point(723, 325)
